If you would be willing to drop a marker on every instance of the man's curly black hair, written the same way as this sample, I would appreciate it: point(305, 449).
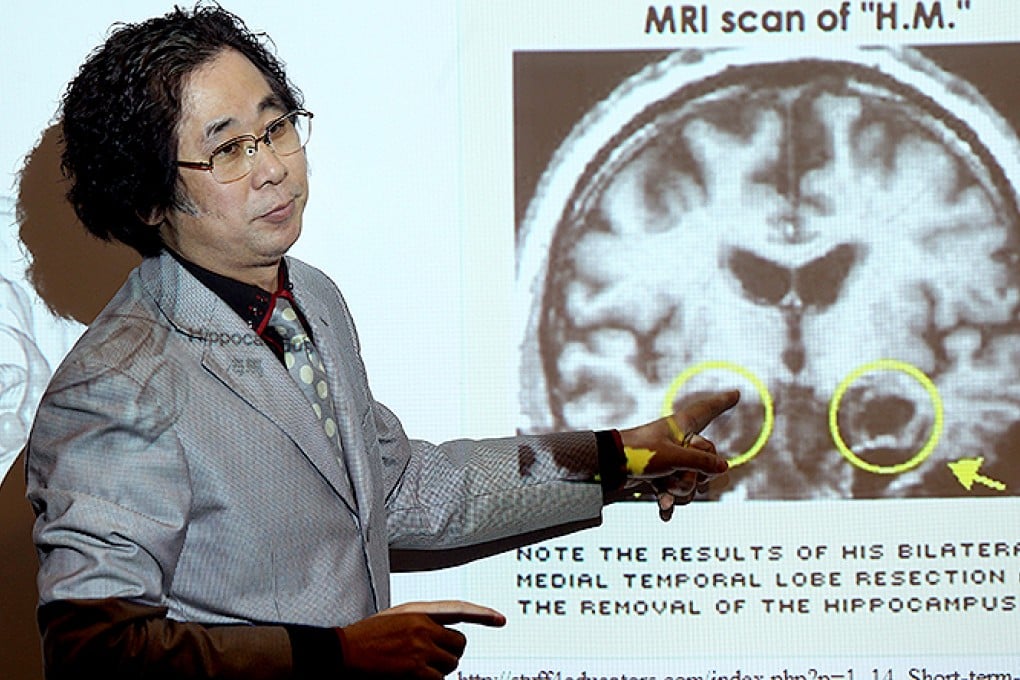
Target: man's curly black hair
point(121, 112)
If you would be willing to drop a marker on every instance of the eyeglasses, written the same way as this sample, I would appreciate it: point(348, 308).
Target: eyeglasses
point(234, 158)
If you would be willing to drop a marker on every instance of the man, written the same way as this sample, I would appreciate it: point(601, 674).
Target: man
point(197, 517)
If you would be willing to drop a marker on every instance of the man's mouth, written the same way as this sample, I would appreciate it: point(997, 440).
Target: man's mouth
point(279, 213)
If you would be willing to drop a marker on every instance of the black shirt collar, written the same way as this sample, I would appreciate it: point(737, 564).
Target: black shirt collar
point(250, 302)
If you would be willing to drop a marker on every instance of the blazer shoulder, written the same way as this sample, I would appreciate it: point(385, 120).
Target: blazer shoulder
point(129, 332)
point(318, 289)
point(304, 275)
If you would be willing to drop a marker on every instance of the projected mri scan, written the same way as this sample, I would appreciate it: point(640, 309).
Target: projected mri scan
point(836, 235)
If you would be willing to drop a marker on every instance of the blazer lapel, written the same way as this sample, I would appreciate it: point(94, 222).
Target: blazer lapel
point(233, 355)
point(327, 340)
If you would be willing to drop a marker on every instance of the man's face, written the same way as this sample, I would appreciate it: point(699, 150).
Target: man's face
point(243, 228)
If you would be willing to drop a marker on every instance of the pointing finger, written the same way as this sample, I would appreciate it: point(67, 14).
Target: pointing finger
point(446, 612)
point(697, 416)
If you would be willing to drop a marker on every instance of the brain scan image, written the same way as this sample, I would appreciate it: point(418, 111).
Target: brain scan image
point(24, 370)
point(834, 233)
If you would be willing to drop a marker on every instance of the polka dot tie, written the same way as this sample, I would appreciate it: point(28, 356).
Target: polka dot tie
point(304, 365)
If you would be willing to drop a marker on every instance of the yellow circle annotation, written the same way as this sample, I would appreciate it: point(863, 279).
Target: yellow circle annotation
point(763, 393)
point(887, 365)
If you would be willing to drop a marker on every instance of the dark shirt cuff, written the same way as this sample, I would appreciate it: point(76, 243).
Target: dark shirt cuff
point(317, 652)
point(612, 462)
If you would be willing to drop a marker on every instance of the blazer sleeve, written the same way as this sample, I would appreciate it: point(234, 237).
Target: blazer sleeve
point(111, 492)
point(109, 484)
point(466, 492)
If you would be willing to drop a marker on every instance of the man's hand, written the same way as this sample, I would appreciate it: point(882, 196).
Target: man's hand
point(412, 640)
point(672, 456)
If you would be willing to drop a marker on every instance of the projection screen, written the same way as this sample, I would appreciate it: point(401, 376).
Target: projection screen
point(573, 215)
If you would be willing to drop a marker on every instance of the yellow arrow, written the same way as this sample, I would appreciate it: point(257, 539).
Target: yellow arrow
point(966, 471)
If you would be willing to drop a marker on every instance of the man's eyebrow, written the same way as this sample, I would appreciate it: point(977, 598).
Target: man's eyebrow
point(271, 101)
point(214, 127)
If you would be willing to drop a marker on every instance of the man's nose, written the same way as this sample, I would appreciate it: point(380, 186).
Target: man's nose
point(268, 167)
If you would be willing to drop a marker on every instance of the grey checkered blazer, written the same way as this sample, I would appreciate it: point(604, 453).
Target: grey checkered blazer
point(174, 463)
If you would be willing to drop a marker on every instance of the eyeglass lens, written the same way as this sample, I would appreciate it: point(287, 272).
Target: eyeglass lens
point(235, 158)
